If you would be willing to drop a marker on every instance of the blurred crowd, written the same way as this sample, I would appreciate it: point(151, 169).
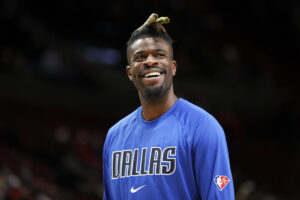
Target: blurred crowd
point(50, 154)
point(238, 60)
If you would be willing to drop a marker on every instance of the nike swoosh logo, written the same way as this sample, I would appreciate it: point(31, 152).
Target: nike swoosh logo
point(132, 190)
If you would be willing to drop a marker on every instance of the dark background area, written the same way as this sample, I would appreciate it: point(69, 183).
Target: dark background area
point(63, 84)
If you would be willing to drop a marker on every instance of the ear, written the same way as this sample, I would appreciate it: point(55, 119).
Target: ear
point(129, 72)
point(174, 67)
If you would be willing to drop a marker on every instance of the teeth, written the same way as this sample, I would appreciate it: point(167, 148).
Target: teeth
point(152, 74)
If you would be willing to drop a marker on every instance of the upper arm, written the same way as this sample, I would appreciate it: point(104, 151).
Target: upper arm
point(105, 167)
point(211, 161)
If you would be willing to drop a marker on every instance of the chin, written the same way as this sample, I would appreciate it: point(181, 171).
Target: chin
point(154, 93)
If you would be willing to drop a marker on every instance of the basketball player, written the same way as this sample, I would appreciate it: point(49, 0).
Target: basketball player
point(167, 148)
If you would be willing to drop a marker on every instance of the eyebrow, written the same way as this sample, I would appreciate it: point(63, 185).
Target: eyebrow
point(141, 51)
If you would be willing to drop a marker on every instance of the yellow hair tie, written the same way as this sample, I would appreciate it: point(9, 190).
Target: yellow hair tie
point(154, 19)
point(163, 20)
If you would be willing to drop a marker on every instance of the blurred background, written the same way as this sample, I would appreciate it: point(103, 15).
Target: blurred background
point(63, 84)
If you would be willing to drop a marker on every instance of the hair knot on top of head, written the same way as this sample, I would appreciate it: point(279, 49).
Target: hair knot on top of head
point(156, 23)
point(153, 27)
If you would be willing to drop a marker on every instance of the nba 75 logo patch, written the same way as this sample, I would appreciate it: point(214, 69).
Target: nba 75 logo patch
point(221, 181)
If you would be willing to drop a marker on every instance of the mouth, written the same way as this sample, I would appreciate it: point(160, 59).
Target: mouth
point(152, 75)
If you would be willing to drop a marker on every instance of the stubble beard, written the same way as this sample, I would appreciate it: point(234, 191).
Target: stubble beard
point(156, 94)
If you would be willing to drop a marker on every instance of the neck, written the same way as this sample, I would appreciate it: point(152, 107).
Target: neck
point(152, 110)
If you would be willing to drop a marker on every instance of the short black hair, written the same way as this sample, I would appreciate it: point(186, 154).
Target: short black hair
point(152, 30)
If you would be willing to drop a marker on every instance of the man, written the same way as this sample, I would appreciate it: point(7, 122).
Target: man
point(168, 148)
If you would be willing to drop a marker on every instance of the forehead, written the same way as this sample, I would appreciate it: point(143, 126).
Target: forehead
point(149, 44)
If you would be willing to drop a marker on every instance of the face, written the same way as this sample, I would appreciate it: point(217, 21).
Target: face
point(151, 67)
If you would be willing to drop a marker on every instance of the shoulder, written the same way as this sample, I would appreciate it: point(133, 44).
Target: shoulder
point(192, 115)
point(124, 122)
point(204, 129)
point(120, 127)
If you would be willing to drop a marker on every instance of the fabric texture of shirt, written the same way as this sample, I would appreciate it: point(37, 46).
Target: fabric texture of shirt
point(180, 155)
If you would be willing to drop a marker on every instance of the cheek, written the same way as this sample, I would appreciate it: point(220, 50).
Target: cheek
point(135, 72)
point(170, 67)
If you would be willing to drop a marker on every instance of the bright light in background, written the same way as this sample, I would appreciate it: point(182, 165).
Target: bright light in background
point(107, 56)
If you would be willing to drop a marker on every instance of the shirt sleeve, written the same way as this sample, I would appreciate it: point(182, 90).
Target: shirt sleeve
point(211, 161)
point(105, 173)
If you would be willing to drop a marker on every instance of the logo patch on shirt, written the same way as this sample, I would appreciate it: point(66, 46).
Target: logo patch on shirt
point(221, 181)
point(132, 190)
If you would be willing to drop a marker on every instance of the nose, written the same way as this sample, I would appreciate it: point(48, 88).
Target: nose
point(151, 60)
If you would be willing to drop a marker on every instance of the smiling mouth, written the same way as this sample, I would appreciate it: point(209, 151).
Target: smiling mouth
point(152, 74)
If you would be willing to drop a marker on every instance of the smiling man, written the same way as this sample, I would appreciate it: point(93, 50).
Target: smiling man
point(167, 148)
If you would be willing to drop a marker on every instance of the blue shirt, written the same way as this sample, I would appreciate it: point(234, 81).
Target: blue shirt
point(180, 155)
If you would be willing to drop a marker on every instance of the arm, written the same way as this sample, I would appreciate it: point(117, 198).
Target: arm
point(105, 173)
point(211, 161)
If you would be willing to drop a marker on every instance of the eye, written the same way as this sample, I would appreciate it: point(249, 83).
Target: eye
point(161, 55)
point(139, 57)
